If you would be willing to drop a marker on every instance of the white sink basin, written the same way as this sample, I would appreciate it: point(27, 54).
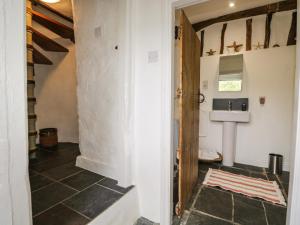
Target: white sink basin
point(230, 116)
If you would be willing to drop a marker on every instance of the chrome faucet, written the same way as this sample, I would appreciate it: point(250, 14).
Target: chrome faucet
point(229, 105)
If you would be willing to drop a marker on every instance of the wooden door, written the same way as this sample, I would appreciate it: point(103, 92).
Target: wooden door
point(188, 90)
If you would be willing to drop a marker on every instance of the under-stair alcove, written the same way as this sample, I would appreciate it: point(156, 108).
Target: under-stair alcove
point(61, 190)
point(55, 74)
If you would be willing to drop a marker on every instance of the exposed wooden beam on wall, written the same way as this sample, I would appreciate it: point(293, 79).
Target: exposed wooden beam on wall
point(268, 30)
point(270, 8)
point(49, 8)
point(46, 43)
point(58, 28)
point(248, 34)
point(293, 30)
point(222, 38)
point(202, 43)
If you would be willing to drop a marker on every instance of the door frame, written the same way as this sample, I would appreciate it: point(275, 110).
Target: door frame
point(14, 152)
point(168, 25)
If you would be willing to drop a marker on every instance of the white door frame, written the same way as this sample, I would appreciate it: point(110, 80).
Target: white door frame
point(167, 147)
point(293, 215)
point(13, 45)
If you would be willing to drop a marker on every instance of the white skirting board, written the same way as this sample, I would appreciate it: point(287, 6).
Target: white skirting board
point(125, 211)
point(96, 167)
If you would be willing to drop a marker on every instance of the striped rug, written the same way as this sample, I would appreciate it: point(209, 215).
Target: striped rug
point(252, 187)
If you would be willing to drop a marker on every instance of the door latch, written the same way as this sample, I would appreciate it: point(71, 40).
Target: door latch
point(179, 92)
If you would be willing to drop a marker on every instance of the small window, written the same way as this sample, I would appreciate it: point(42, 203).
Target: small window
point(230, 73)
point(230, 82)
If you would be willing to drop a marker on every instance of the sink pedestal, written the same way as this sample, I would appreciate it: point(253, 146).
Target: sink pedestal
point(230, 120)
point(229, 143)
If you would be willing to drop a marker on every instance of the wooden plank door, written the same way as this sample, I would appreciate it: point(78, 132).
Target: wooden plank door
point(188, 90)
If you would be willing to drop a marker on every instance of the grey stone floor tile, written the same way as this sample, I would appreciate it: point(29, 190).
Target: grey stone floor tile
point(49, 196)
point(248, 211)
point(200, 219)
point(93, 201)
point(60, 215)
point(82, 180)
point(215, 202)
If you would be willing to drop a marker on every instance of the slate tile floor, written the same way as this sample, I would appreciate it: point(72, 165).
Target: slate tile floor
point(63, 194)
point(214, 206)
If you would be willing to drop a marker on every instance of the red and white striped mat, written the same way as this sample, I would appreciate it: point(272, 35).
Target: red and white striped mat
point(252, 187)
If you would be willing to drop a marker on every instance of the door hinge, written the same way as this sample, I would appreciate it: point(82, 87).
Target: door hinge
point(179, 92)
point(178, 32)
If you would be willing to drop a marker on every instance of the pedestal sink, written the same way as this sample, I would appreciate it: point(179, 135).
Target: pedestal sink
point(230, 120)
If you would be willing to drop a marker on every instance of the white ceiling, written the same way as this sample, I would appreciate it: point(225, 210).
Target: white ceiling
point(215, 8)
point(64, 7)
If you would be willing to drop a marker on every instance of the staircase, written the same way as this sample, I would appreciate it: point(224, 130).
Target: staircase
point(36, 57)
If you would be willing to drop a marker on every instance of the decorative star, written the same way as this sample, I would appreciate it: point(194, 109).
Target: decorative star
point(211, 52)
point(258, 46)
point(235, 46)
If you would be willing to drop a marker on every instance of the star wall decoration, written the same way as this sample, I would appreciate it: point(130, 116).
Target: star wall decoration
point(236, 47)
point(211, 52)
point(258, 46)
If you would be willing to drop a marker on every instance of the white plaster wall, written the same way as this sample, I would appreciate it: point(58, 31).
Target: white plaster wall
point(5, 197)
point(15, 204)
point(56, 87)
point(102, 99)
point(148, 18)
point(268, 73)
point(293, 216)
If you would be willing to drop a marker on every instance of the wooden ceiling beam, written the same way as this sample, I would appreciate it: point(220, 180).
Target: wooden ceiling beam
point(46, 43)
point(57, 27)
point(51, 9)
point(266, 9)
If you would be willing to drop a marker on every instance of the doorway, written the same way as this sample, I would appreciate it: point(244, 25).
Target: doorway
point(61, 191)
point(249, 169)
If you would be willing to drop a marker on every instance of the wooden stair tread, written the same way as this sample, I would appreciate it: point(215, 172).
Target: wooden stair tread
point(53, 25)
point(51, 9)
point(39, 58)
point(30, 82)
point(32, 116)
point(31, 99)
point(46, 43)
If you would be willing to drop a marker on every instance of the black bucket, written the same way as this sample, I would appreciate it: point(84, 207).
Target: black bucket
point(275, 163)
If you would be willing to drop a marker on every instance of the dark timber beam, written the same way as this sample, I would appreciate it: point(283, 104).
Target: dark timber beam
point(293, 30)
point(51, 9)
point(222, 38)
point(248, 34)
point(268, 30)
point(266, 9)
point(202, 43)
point(46, 43)
point(58, 28)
